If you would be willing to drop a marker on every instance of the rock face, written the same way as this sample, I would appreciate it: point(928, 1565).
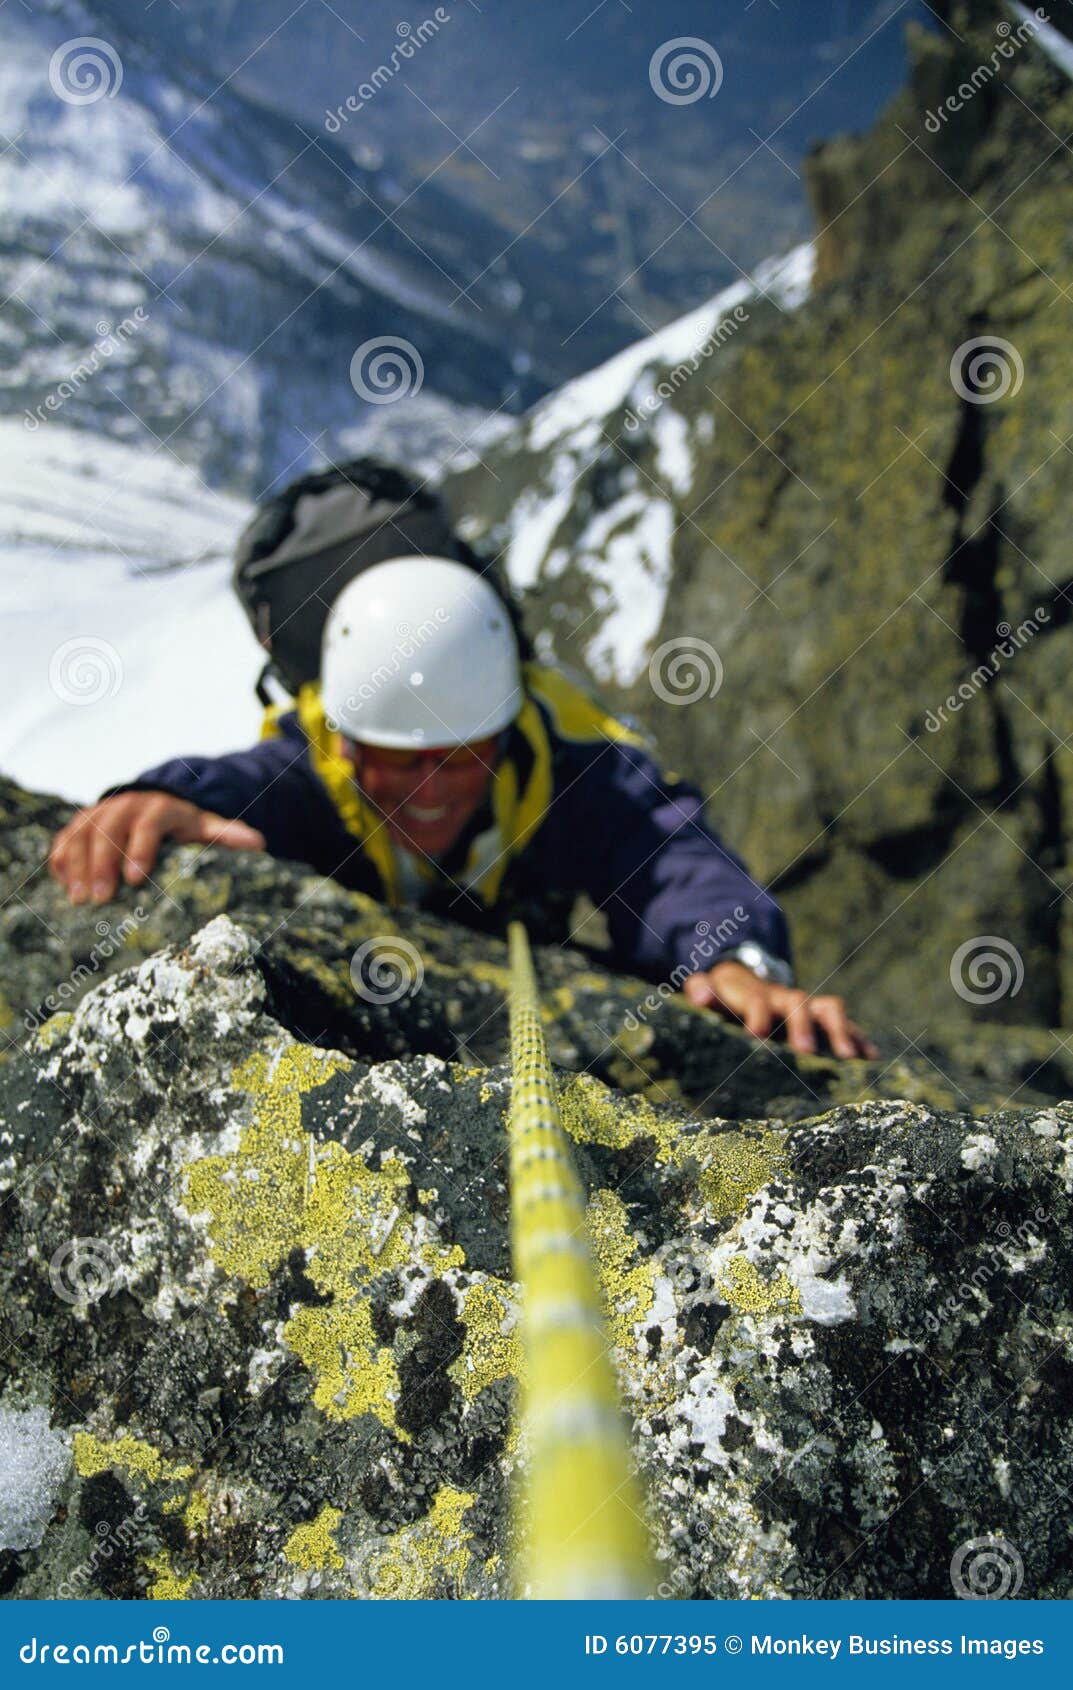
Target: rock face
point(852, 512)
point(259, 1321)
point(258, 1315)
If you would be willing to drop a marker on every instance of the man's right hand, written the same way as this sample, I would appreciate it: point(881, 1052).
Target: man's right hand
point(123, 834)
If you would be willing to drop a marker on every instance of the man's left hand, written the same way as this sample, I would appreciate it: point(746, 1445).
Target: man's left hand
point(735, 991)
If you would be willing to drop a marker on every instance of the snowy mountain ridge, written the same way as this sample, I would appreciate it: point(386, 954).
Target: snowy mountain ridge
point(624, 548)
point(256, 254)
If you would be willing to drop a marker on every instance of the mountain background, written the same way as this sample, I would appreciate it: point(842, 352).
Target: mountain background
point(513, 201)
point(813, 493)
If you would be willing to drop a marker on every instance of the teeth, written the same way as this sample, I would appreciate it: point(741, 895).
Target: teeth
point(422, 815)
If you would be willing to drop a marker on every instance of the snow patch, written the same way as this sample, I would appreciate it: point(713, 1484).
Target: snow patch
point(674, 457)
point(117, 659)
point(626, 550)
point(534, 520)
point(33, 1465)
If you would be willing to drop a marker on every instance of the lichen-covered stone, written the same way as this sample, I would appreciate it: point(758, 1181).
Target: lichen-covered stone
point(284, 1358)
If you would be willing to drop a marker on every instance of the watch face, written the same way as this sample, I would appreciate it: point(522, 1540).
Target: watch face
point(763, 965)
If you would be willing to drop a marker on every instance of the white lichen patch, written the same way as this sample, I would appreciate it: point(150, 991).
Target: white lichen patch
point(213, 983)
point(394, 1091)
point(705, 1407)
point(826, 1301)
point(266, 1364)
point(978, 1151)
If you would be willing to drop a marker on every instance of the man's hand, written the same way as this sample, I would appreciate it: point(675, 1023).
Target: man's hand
point(125, 832)
point(731, 989)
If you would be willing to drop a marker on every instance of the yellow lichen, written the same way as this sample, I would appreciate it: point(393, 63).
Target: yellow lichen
point(729, 1165)
point(283, 1190)
point(312, 1546)
point(588, 1115)
point(560, 1000)
point(734, 1165)
point(413, 1561)
point(353, 1220)
point(627, 1285)
point(490, 1352)
point(746, 1290)
point(354, 1374)
point(196, 1514)
point(54, 1029)
point(94, 1455)
point(255, 1196)
point(492, 973)
point(168, 1585)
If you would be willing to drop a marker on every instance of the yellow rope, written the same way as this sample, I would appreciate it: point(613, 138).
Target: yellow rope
point(581, 1521)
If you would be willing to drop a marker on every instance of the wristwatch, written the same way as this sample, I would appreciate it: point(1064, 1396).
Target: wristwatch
point(764, 964)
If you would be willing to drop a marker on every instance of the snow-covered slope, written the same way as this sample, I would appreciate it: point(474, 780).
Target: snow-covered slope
point(179, 262)
point(123, 643)
point(621, 545)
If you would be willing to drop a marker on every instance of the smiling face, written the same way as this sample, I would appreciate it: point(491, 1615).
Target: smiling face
point(426, 801)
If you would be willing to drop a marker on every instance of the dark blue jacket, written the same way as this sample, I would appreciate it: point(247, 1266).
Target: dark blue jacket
point(608, 823)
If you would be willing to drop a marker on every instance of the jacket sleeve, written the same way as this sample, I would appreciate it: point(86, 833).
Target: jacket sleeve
point(635, 839)
point(272, 786)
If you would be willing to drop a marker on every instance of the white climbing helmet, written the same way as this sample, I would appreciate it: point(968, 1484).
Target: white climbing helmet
point(419, 651)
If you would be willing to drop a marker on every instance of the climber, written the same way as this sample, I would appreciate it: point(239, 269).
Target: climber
point(432, 766)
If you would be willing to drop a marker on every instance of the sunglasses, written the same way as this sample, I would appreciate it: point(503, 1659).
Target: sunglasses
point(478, 751)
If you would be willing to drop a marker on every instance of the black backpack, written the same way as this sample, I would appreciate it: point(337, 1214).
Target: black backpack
point(301, 547)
